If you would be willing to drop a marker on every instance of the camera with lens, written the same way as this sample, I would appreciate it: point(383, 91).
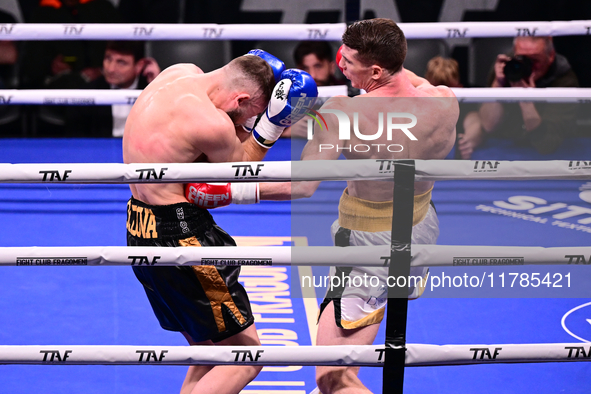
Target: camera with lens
point(518, 68)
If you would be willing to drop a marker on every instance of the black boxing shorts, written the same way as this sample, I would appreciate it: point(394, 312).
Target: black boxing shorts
point(207, 302)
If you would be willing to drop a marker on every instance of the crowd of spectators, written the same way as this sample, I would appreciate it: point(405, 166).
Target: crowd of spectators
point(70, 64)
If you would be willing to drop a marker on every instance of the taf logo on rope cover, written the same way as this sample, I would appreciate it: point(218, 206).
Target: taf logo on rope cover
point(150, 173)
point(579, 165)
point(143, 260)
point(150, 356)
point(578, 352)
point(456, 33)
point(6, 29)
point(526, 32)
point(54, 175)
point(73, 30)
point(386, 166)
point(142, 31)
point(317, 34)
point(481, 352)
point(577, 258)
point(212, 32)
point(486, 166)
point(380, 353)
point(54, 355)
point(243, 169)
point(247, 354)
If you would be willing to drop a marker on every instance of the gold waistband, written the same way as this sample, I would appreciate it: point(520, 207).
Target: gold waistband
point(371, 216)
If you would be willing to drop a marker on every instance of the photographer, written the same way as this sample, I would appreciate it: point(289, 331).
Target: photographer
point(534, 64)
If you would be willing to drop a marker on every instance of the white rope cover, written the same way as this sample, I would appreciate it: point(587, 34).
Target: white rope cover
point(373, 356)
point(367, 256)
point(549, 95)
point(310, 170)
point(123, 96)
point(327, 31)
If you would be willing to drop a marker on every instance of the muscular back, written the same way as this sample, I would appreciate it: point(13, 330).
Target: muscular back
point(174, 121)
point(436, 112)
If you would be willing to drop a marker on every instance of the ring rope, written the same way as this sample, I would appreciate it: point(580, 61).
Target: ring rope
point(416, 354)
point(366, 256)
point(326, 31)
point(309, 170)
point(123, 96)
point(352, 355)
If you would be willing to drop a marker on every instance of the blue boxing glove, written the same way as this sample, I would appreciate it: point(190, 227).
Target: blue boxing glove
point(277, 65)
point(291, 99)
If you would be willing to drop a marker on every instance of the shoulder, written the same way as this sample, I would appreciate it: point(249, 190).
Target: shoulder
point(337, 102)
point(436, 91)
point(185, 68)
point(197, 112)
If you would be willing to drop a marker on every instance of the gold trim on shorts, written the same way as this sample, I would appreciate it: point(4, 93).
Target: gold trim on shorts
point(373, 318)
point(215, 289)
point(371, 216)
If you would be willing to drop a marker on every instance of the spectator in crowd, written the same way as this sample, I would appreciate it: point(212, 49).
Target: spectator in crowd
point(8, 55)
point(125, 66)
point(66, 64)
point(444, 71)
point(315, 58)
point(533, 64)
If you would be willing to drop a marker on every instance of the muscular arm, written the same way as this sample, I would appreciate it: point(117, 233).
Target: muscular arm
point(491, 114)
point(295, 190)
point(250, 150)
point(222, 141)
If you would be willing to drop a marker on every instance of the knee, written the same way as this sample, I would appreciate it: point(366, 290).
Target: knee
point(330, 380)
point(253, 371)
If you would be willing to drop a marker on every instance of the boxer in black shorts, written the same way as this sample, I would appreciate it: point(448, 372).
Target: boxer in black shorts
point(188, 116)
point(206, 302)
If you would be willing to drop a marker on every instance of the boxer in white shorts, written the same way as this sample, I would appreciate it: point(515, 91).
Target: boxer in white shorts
point(362, 294)
point(371, 57)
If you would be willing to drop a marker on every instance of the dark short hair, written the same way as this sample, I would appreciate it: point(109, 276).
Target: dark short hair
point(137, 49)
point(258, 71)
point(377, 41)
point(321, 49)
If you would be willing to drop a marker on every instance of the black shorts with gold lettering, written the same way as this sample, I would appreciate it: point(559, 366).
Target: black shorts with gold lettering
point(207, 302)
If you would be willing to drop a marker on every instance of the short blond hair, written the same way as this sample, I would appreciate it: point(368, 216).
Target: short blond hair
point(442, 71)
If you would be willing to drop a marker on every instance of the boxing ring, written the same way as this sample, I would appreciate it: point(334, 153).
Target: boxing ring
point(65, 313)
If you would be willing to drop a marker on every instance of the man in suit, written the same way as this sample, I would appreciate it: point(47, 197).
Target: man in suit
point(124, 67)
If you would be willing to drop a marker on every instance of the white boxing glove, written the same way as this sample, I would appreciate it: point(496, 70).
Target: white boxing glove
point(292, 97)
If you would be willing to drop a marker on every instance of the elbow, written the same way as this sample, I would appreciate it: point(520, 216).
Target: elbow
point(303, 189)
point(307, 193)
